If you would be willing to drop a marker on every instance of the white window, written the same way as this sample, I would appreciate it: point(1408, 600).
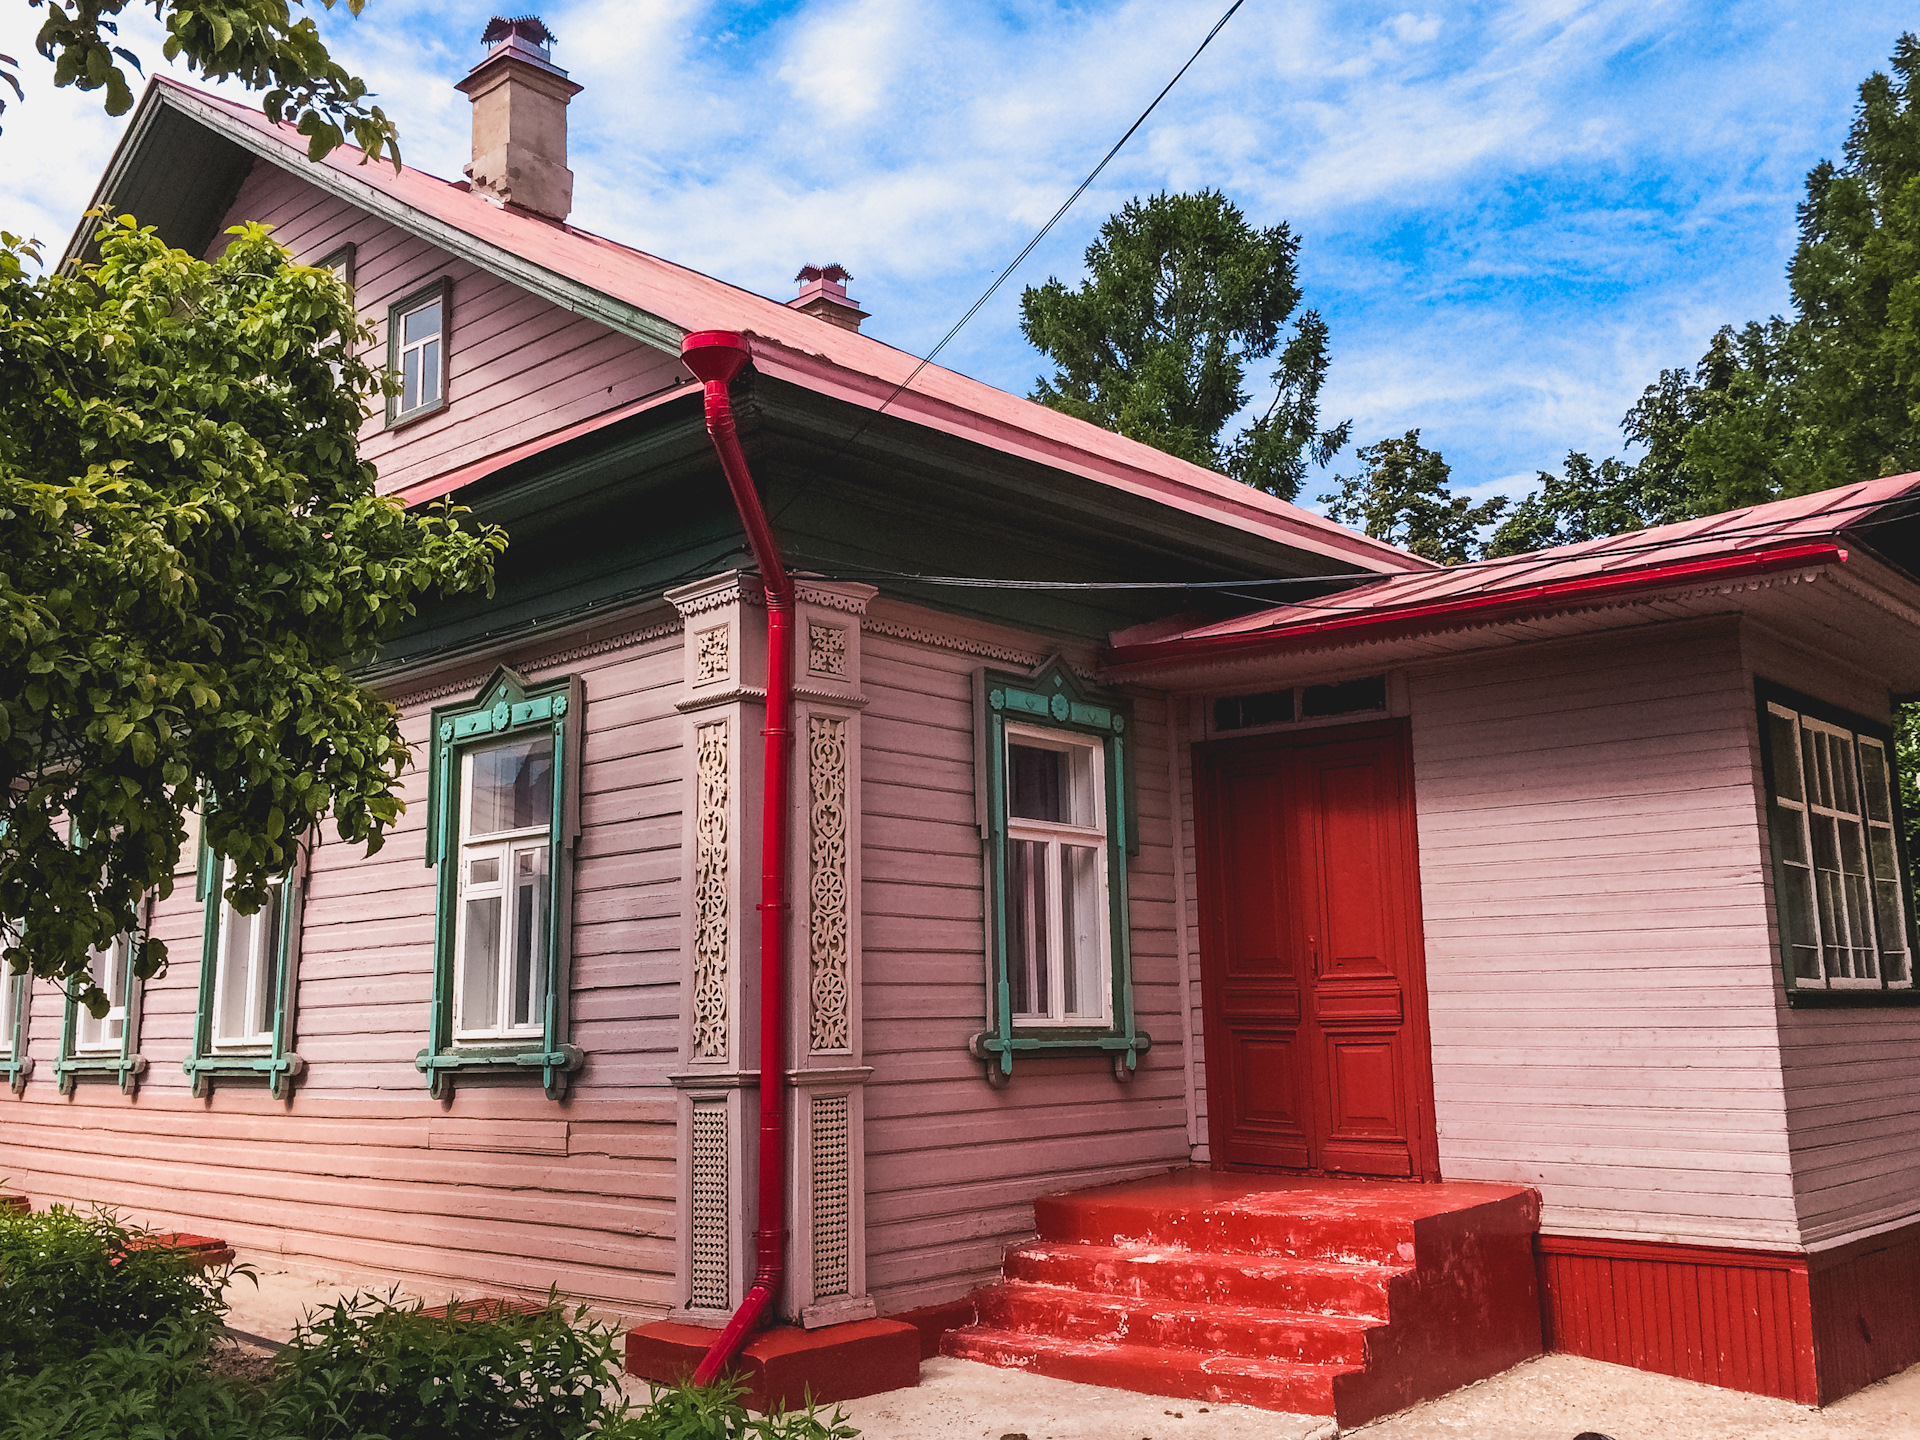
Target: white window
point(246, 979)
point(9, 1005)
point(1059, 968)
point(110, 969)
point(501, 941)
point(1841, 900)
point(420, 354)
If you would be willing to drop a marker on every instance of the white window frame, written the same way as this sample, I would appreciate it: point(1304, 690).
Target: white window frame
point(266, 945)
point(118, 952)
point(9, 1001)
point(506, 847)
point(1828, 910)
point(1054, 835)
point(439, 293)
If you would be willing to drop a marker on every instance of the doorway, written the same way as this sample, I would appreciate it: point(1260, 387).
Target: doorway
point(1313, 976)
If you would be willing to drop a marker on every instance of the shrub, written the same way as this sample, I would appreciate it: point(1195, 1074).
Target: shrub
point(150, 1386)
point(373, 1366)
point(714, 1412)
point(70, 1282)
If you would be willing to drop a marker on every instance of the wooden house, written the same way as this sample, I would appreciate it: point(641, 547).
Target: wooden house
point(1360, 975)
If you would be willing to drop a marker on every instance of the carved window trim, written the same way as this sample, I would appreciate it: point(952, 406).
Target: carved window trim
point(505, 706)
point(1053, 698)
point(272, 1062)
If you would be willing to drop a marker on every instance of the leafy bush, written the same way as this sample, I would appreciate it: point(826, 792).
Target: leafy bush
point(373, 1366)
point(152, 1386)
point(714, 1412)
point(70, 1282)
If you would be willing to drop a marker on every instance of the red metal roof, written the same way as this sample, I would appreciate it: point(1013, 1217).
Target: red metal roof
point(1783, 534)
point(821, 357)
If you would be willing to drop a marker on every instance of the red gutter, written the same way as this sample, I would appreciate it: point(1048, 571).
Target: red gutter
point(715, 357)
point(1496, 605)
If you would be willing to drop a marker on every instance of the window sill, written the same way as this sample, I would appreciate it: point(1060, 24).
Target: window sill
point(401, 422)
point(997, 1050)
point(126, 1069)
point(16, 1070)
point(553, 1066)
point(1850, 999)
point(277, 1071)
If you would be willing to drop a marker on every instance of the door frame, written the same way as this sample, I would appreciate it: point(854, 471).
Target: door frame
point(1423, 1137)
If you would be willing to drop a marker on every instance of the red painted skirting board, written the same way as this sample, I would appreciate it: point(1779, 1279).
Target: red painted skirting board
point(1805, 1327)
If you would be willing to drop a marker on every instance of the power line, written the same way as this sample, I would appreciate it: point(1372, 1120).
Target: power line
point(1034, 243)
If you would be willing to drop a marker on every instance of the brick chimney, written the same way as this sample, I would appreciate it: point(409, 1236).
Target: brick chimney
point(823, 292)
point(520, 118)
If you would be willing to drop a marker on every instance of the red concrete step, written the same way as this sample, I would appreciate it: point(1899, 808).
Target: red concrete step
point(1073, 1315)
point(1152, 1370)
point(1152, 1272)
point(1359, 1221)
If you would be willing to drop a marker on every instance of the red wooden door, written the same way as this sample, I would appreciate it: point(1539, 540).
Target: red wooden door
point(1312, 980)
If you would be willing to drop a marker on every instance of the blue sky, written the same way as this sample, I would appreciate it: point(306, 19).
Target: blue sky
point(1512, 215)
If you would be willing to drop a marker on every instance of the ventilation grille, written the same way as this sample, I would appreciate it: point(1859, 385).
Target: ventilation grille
point(712, 1278)
point(830, 1209)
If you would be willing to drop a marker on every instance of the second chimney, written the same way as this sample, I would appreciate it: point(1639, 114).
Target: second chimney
point(520, 118)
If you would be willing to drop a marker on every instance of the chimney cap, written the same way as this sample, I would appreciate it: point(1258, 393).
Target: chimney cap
point(530, 28)
point(836, 273)
point(823, 294)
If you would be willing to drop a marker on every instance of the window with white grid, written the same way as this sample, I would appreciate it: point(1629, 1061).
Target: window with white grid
point(1839, 879)
point(501, 944)
point(248, 971)
point(110, 969)
point(1058, 918)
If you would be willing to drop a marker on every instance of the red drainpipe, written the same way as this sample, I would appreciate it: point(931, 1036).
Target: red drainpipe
point(715, 357)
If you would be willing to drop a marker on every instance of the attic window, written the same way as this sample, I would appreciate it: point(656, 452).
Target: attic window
point(417, 352)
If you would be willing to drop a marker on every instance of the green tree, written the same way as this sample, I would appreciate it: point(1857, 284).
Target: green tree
point(1585, 503)
point(1183, 295)
point(1832, 394)
point(257, 42)
point(192, 558)
point(1403, 497)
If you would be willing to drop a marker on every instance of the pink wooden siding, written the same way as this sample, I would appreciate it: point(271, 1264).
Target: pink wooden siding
point(1852, 1085)
point(953, 1166)
point(1602, 982)
point(518, 366)
point(361, 1169)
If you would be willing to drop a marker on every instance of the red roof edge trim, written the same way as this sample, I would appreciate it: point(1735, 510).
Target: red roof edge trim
point(1565, 594)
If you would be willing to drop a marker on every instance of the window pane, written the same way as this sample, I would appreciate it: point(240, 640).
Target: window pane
point(1786, 757)
point(409, 380)
point(108, 969)
point(484, 871)
point(430, 372)
point(267, 981)
point(511, 786)
point(1873, 767)
point(529, 935)
point(480, 965)
point(1037, 783)
point(1083, 928)
point(230, 984)
point(421, 323)
point(1027, 925)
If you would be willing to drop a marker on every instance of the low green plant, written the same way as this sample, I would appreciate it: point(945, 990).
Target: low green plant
point(715, 1412)
point(373, 1365)
point(153, 1385)
point(72, 1281)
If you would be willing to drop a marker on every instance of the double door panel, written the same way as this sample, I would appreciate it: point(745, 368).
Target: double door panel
point(1313, 995)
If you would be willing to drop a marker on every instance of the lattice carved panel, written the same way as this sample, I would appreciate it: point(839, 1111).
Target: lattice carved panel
point(711, 1270)
point(832, 1213)
point(829, 907)
point(827, 650)
point(711, 910)
point(710, 660)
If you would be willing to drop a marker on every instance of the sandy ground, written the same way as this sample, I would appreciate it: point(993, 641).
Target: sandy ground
point(1557, 1397)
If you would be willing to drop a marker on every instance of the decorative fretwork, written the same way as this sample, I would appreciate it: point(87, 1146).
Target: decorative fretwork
point(827, 650)
point(710, 662)
point(710, 1270)
point(831, 1214)
point(831, 1029)
point(710, 924)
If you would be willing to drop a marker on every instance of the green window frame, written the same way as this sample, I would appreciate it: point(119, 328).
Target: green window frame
point(1842, 897)
point(267, 985)
point(16, 999)
point(435, 360)
point(1089, 729)
point(80, 1059)
point(506, 711)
